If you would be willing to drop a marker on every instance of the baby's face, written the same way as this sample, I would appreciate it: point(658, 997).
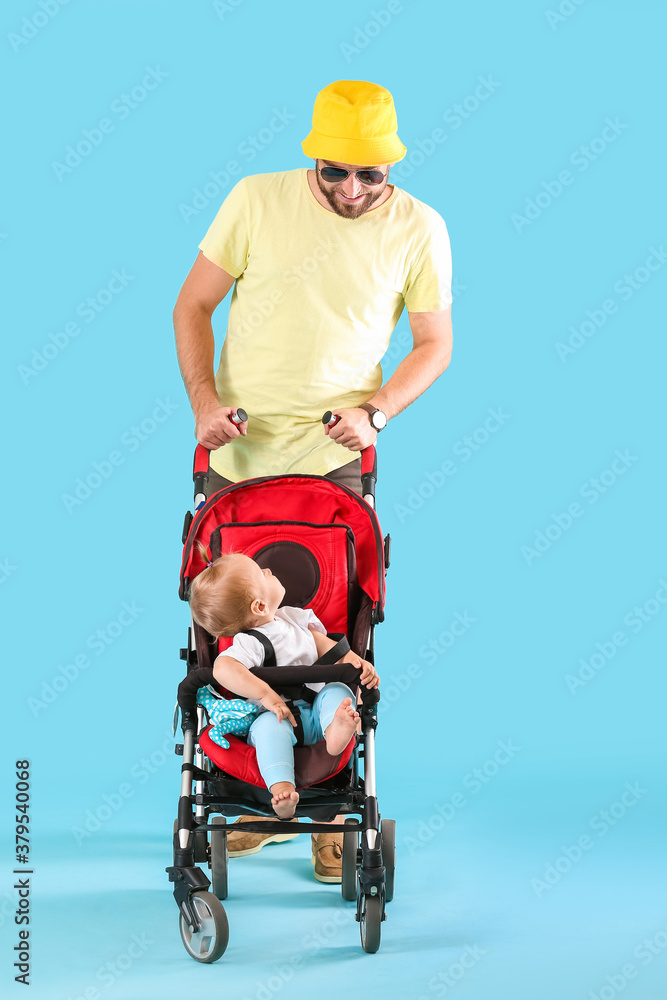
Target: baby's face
point(265, 585)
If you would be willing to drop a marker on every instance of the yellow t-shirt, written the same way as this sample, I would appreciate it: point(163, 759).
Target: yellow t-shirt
point(315, 302)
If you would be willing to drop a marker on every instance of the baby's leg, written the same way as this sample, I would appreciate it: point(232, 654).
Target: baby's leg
point(334, 706)
point(273, 742)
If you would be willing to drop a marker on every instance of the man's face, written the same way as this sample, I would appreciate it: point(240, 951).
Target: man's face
point(350, 198)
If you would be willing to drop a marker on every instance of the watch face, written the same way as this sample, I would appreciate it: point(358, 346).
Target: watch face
point(379, 420)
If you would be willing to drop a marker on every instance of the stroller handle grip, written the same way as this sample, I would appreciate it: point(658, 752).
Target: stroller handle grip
point(202, 462)
point(238, 416)
point(369, 464)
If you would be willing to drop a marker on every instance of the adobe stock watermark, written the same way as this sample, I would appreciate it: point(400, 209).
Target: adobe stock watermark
point(625, 288)
point(363, 34)
point(581, 158)
point(635, 620)
point(454, 117)
point(223, 7)
point(448, 976)
point(291, 280)
point(465, 448)
point(473, 782)
point(565, 10)
point(401, 344)
point(88, 310)
point(121, 108)
point(283, 972)
point(248, 149)
point(32, 24)
point(591, 491)
point(98, 642)
point(112, 802)
point(396, 685)
point(108, 974)
point(7, 908)
point(7, 569)
point(130, 440)
point(601, 823)
point(645, 952)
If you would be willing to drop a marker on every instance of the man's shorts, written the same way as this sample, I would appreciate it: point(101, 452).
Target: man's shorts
point(347, 475)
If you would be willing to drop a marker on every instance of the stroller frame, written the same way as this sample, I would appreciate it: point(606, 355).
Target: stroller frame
point(200, 837)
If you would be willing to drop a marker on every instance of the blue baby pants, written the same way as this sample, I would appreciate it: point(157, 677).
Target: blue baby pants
point(273, 740)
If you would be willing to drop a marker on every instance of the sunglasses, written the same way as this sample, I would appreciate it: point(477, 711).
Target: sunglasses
point(370, 178)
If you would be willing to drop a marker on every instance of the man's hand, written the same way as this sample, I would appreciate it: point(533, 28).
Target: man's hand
point(353, 430)
point(369, 677)
point(275, 704)
point(214, 428)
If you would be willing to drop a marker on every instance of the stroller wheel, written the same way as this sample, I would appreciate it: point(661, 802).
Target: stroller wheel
point(388, 832)
point(210, 941)
point(350, 848)
point(219, 857)
point(370, 922)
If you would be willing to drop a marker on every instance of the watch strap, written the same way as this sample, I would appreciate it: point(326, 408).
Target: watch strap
point(370, 410)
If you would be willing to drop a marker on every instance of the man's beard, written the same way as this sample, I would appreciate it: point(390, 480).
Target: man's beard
point(350, 211)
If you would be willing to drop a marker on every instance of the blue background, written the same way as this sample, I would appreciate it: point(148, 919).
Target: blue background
point(471, 875)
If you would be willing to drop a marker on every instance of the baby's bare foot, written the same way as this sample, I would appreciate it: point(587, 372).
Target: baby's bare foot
point(340, 729)
point(284, 799)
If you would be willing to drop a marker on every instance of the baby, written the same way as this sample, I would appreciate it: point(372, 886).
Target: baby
point(234, 593)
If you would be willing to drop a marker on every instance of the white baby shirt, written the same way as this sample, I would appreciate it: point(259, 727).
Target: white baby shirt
point(291, 639)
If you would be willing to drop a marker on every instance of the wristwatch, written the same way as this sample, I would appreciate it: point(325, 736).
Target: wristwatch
point(377, 418)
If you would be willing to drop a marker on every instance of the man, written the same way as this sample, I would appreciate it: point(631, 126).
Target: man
point(322, 262)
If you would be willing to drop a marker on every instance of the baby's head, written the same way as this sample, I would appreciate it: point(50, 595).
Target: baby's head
point(233, 594)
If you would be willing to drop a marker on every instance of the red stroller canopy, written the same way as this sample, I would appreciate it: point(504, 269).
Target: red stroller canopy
point(312, 501)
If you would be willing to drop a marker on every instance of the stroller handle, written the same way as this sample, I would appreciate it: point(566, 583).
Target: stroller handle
point(239, 416)
point(202, 463)
point(202, 460)
point(369, 463)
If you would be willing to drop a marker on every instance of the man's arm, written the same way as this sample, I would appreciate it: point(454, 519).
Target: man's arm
point(430, 355)
point(204, 288)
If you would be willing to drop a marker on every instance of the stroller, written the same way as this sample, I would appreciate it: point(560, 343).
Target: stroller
point(323, 541)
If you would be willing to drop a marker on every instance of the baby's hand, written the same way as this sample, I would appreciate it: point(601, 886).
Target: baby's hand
point(275, 704)
point(369, 677)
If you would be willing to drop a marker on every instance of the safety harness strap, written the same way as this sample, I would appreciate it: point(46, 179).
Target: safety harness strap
point(269, 651)
point(292, 693)
point(334, 654)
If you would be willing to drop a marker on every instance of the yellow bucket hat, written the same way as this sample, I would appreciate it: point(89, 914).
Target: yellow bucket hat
point(354, 122)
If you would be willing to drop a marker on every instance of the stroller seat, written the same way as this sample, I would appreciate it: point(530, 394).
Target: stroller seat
point(312, 764)
point(317, 564)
